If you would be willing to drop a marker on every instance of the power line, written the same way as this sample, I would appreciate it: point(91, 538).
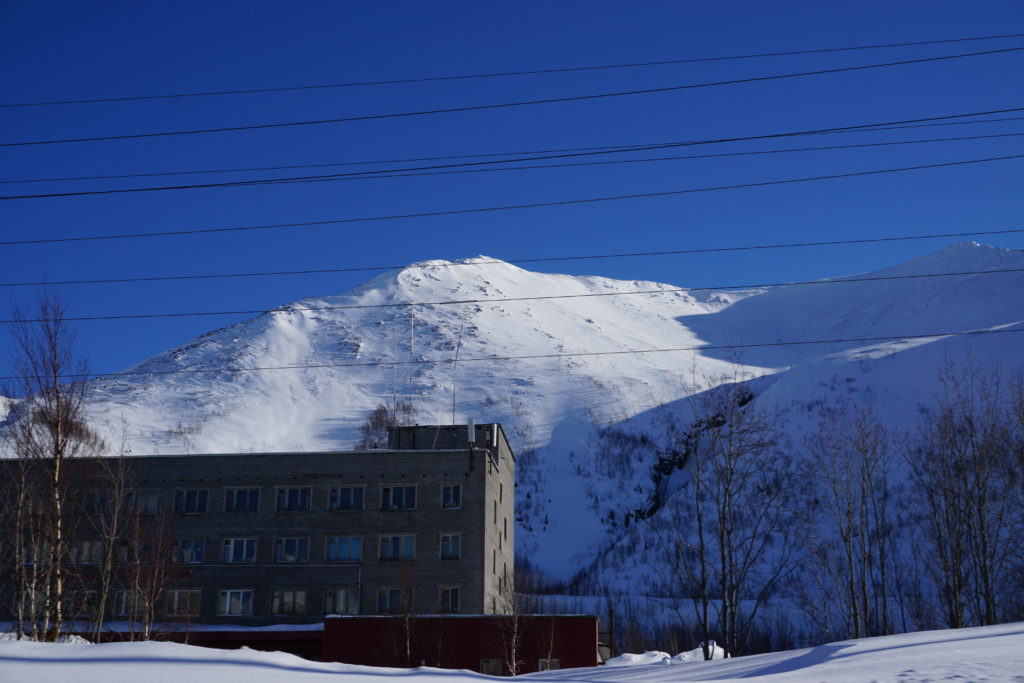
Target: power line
point(505, 105)
point(452, 169)
point(514, 207)
point(547, 297)
point(609, 148)
point(544, 259)
point(533, 72)
point(538, 356)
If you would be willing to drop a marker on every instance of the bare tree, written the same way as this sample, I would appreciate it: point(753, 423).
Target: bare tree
point(737, 519)
point(46, 429)
point(855, 545)
point(375, 431)
point(962, 493)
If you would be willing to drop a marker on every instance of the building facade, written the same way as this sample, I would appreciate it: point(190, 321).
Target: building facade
point(423, 527)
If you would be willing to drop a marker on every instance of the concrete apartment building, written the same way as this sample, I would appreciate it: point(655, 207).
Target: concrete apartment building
point(423, 527)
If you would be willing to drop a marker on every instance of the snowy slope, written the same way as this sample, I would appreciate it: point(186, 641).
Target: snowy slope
point(992, 653)
point(573, 419)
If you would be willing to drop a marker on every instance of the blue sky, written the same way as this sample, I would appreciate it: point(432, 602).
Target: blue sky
point(72, 50)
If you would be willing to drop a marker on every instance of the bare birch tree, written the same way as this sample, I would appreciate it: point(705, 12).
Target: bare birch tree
point(46, 429)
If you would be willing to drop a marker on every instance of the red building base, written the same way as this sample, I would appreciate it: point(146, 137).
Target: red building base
point(495, 645)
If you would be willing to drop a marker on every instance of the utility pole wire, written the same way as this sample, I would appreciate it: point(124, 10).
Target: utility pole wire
point(535, 259)
point(456, 169)
point(504, 74)
point(506, 105)
point(544, 297)
point(541, 356)
point(514, 207)
point(607, 148)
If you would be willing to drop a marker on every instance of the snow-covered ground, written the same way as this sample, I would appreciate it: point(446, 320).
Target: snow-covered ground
point(992, 653)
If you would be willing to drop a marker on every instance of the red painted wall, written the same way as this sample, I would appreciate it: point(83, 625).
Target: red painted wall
point(454, 642)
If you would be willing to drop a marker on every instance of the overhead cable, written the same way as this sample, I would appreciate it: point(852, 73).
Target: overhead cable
point(515, 207)
point(537, 356)
point(609, 148)
point(506, 105)
point(537, 259)
point(456, 169)
point(499, 300)
point(503, 74)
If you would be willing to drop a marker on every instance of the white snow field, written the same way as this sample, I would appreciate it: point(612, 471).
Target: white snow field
point(991, 653)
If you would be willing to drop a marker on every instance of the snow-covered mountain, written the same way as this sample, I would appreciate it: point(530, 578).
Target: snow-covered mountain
point(307, 375)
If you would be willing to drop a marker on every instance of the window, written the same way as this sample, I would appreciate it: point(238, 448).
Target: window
point(142, 501)
point(392, 600)
point(451, 546)
point(449, 602)
point(288, 601)
point(451, 497)
point(398, 497)
point(242, 500)
point(291, 550)
point(233, 603)
point(190, 550)
point(136, 552)
point(239, 550)
point(341, 601)
point(346, 498)
point(190, 502)
point(96, 502)
point(341, 548)
point(127, 604)
point(183, 603)
point(492, 667)
point(397, 547)
point(549, 664)
point(79, 603)
point(293, 500)
point(85, 552)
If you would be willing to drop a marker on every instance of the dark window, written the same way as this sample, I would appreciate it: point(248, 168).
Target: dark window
point(190, 502)
point(190, 550)
point(341, 548)
point(289, 602)
point(241, 500)
point(293, 500)
point(239, 550)
point(235, 603)
point(451, 546)
point(346, 498)
point(397, 497)
point(451, 496)
point(394, 600)
point(397, 547)
point(341, 601)
point(449, 602)
point(142, 501)
point(291, 550)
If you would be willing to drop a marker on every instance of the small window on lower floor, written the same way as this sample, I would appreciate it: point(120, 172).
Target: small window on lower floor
point(341, 601)
point(549, 664)
point(394, 600)
point(235, 603)
point(492, 667)
point(288, 601)
point(449, 602)
point(183, 603)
